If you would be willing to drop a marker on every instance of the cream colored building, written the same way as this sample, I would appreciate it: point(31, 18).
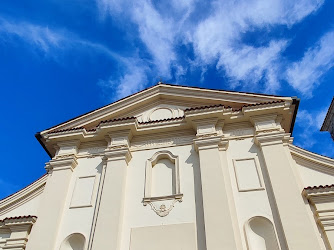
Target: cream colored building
point(179, 168)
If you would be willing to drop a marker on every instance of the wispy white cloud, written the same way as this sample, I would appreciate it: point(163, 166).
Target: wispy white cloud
point(133, 79)
point(215, 35)
point(219, 37)
point(133, 71)
point(308, 124)
point(213, 30)
point(41, 37)
point(305, 74)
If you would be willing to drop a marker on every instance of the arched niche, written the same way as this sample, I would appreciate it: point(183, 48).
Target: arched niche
point(74, 241)
point(162, 169)
point(260, 234)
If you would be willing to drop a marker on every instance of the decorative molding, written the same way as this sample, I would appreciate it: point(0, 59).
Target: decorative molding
point(163, 211)
point(92, 147)
point(238, 129)
point(162, 142)
point(147, 200)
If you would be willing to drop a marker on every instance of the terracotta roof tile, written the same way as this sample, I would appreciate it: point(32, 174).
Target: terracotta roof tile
point(65, 130)
point(163, 120)
point(203, 107)
point(118, 119)
point(19, 217)
point(258, 104)
point(319, 187)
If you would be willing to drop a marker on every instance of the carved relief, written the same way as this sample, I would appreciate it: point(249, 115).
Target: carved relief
point(161, 142)
point(160, 112)
point(163, 211)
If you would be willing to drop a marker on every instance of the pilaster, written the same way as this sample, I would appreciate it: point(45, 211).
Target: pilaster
point(218, 218)
point(110, 215)
point(60, 168)
point(298, 228)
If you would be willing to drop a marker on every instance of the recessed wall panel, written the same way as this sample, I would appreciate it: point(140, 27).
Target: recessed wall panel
point(164, 237)
point(83, 192)
point(247, 174)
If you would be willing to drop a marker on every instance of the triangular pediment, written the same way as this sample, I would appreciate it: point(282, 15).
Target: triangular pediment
point(164, 101)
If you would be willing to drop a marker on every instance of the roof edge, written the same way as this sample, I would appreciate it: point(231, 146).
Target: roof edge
point(296, 102)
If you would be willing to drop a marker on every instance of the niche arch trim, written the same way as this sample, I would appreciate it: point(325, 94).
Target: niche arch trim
point(260, 234)
point(150, 163)
point(74, 241)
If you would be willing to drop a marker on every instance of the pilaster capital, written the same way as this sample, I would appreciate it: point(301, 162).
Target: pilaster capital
point(65, 148)
point(204, 143)
point(205, 127)
point(267, 123)
point(119, 138)
point(66, 162)
point(273, 138)
point(121, 152)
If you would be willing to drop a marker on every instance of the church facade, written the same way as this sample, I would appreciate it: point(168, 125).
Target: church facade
point(174, 167)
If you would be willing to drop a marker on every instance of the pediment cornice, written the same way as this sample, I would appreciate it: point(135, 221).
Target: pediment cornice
point(187, 95)
point(183, 104)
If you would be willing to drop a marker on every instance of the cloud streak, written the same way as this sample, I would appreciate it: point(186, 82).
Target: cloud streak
point(305, 74)
point(308, 124)
point(133, 72)
point(215, 32)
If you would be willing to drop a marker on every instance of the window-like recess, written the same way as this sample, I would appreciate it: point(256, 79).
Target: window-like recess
point(74, 241)
point(260, 234)
point(162, 177)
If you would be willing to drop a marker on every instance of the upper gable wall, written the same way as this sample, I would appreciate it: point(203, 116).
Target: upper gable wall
point(166, 93)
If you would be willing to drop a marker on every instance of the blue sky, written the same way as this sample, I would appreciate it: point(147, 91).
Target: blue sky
point(60, 59)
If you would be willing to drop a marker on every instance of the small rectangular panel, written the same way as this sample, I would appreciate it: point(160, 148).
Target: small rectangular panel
point(247, 174)
point(83, 192)
point(165, 237)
